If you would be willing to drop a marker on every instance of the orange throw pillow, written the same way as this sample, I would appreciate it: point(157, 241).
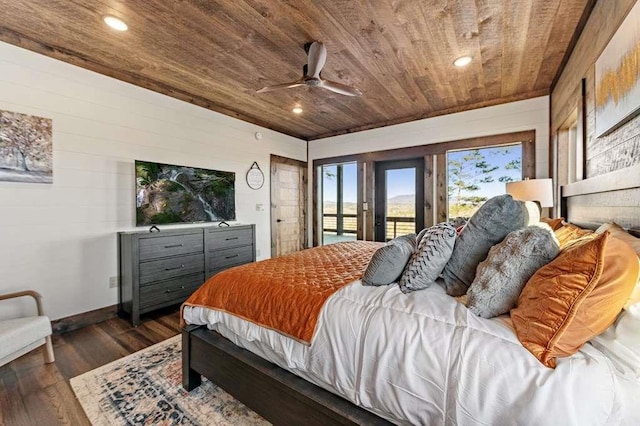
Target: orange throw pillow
point(619, 232)
point(575, 297)
point(569, 233)
point(554, 224)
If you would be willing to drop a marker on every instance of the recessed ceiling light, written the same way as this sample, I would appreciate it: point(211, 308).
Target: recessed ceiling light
point(115, 23)
point(462, 61)
point(297, 110)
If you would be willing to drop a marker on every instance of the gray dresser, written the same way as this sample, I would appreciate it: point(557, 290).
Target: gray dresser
point(159, 269)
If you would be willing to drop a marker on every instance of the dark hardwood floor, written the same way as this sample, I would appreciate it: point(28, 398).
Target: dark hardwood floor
point(34, 393)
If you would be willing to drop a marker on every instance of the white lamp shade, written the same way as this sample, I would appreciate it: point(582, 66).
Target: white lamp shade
point(540, 190)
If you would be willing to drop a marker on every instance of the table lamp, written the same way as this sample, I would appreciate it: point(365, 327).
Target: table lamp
point(538, 190)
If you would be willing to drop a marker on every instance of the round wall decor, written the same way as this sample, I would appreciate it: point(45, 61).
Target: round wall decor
point(255, 177)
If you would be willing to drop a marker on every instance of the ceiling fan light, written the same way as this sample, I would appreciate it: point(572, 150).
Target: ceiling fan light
point(462, 61)
point(297, 110)
point(115, 23)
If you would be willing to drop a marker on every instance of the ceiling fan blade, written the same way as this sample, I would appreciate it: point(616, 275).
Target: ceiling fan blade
point(340, 88)
point(317, 59)
point(280, 86)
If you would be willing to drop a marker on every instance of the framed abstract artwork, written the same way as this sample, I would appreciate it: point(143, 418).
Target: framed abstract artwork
point(618, 76)
point(26, 148)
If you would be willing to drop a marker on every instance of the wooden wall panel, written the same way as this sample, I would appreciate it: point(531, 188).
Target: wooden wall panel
point(529, 158)
point(590, 210)
point(613, 197)
point(621, 148)
point(370, 200)
point(359, 200)
point(429, 191)
point(604, 20)
point(441, 188)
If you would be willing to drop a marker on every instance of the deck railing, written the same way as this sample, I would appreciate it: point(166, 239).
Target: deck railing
point(347, 223)
point(397, 225)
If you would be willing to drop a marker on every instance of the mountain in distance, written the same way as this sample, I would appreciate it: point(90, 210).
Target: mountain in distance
point(402, 199)
point(400, 205)
point(348, 207)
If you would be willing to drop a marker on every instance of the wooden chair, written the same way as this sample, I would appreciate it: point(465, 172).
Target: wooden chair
point(21, 335)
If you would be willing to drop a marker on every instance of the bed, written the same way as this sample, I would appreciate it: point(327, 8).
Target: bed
point(463, 369)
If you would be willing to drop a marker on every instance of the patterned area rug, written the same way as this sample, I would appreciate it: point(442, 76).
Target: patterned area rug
point(145, 388)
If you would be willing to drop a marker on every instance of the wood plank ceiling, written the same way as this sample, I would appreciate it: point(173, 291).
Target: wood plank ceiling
point(399, 53)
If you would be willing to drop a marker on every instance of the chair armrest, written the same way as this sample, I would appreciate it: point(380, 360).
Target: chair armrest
point(36, 296)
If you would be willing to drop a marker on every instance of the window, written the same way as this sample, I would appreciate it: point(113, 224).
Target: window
point(569, 151)
point(339, 202)
point(475, 175)
point(452, 179)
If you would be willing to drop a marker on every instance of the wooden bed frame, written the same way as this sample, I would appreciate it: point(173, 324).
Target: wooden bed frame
point(276, 394)
point(284, 398)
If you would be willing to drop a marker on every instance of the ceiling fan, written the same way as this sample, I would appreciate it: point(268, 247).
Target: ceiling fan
point(317, 56)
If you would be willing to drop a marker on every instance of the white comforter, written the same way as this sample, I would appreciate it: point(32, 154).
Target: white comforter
point(424, 358)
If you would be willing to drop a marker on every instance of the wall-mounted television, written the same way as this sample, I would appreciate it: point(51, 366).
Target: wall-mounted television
point(168, 193)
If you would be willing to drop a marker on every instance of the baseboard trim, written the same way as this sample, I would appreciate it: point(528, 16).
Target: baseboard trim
point(74, 322)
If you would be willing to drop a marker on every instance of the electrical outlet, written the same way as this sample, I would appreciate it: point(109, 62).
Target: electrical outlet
point(257, 252)
point(113, 282)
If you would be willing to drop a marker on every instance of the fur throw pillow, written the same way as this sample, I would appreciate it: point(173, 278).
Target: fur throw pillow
point(502, 276)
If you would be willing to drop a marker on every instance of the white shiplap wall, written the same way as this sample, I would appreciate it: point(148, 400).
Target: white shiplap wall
point(530, 114)
point(60, 239)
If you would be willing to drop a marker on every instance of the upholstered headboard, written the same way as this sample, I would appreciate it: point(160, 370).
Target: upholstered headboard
point(613, 197)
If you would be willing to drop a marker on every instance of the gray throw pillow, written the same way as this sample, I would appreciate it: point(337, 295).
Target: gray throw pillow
point(426, 264)
point(502, 276)
point(388, 262)
point(487, 227)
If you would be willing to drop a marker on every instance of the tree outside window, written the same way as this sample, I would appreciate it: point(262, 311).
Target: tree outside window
point(475, 175)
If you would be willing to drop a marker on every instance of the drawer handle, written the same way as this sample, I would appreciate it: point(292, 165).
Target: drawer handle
point(177, 289)
point(174, 268)
point(232, 256)
point(174, 245)
point(231, 238)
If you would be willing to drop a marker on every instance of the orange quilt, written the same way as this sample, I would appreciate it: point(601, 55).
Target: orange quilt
point(286, 293)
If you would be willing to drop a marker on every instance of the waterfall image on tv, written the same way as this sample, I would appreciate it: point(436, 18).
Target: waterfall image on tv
point(175, 194)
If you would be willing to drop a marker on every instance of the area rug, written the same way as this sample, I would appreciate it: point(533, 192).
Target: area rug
point(145, 388)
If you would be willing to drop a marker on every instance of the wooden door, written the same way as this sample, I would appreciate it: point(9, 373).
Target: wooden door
point(288, 205)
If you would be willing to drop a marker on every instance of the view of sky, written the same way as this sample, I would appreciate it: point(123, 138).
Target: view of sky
point(349, 182)
point(402, 181)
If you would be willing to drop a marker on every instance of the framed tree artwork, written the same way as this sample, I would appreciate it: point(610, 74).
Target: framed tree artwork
point(618, 76)
point(26, 148)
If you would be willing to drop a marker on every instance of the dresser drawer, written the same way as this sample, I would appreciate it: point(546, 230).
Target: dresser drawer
point(164, 269)
point(223, 259)
point(169, 292)
point(170, 245)
point(221, 239)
